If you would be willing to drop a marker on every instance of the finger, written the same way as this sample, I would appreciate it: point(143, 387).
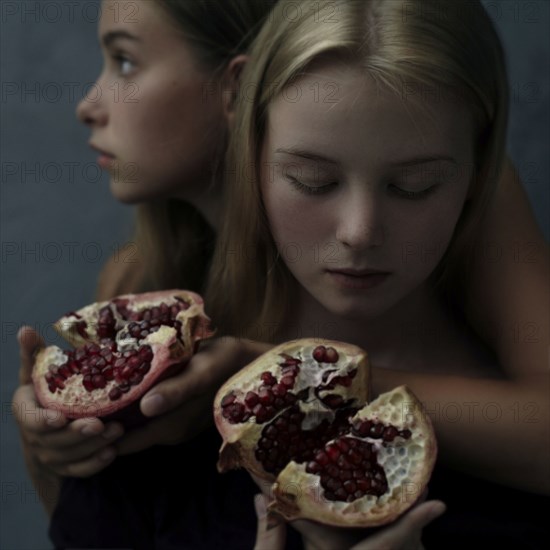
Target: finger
point(406, 532)
point(176, 390)
point(421, 515)
point(169, 429)
point(271, 531)
point(88, 467)
point(31, 417)
point(82, 437)
point(29, 343)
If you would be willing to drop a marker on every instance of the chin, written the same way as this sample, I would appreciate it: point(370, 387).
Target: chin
point(128, 193)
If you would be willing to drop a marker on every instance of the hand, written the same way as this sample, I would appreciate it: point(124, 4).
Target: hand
point(51, 442)
point(183, 402)
point(404, 534)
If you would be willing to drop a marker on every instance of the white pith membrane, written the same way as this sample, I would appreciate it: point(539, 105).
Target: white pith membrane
point(407, 463)
point(67, 325)
point(161, 349)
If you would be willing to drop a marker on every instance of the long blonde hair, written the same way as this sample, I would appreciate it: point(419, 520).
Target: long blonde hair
point(450, 45)
point(174, 241)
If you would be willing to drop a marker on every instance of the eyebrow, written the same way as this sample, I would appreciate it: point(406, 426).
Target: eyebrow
point(400, 163)
point(424, 160)
point(295, 152)
point(109, 37)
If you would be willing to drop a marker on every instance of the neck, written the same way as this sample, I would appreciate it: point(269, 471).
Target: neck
point(386, 337)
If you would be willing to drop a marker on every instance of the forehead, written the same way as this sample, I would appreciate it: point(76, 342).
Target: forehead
point(344, 110)
point(141, 17)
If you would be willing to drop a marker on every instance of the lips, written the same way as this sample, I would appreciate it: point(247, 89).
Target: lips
point(105, 159)
point(101, 151)
point(358, 279)
point(358, 272)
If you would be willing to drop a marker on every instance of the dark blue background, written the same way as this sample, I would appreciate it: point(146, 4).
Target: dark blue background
point(59, 222)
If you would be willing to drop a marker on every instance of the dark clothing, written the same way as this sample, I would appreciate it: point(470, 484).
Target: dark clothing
point(172, 498)
point(163, 498)
point(485, 515)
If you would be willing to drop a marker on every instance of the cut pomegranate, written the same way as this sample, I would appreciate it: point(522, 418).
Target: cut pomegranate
point(296, 417)
point(123, 347)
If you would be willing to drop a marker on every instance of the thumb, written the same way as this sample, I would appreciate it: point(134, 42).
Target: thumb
point(271, 531)
point(29, 344)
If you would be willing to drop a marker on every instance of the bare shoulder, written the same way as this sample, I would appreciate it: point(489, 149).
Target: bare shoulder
point(123, 273)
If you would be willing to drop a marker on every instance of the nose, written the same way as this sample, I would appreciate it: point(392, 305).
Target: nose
point(91, 109)
point(361, 220)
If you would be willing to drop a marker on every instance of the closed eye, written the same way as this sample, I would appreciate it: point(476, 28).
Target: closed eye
point(413, 195)
point(311, 189)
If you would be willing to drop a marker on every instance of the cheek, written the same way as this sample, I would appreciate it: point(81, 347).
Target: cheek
point(293, 221)
point(422, 242)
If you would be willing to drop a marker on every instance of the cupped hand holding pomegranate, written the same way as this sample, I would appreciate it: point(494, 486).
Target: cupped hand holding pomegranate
point(404, 534)
point(54, 446)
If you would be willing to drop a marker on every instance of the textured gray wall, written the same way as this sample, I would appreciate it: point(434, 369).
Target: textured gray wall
point(59, 222)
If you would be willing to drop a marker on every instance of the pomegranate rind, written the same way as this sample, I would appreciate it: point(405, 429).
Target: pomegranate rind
point(171, 349)
point(75, 402)
point(196, 324)
point(408, 464)
point(240, 440)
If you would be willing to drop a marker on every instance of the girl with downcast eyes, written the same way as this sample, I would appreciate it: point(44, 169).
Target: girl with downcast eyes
point(362, 211)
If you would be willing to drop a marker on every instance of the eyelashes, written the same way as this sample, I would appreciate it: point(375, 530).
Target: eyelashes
point(311, 189)
point(394, 189)
point(413, 195)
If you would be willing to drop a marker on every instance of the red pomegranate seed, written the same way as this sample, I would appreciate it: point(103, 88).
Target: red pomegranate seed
point(98, 381)
point(279, 390)
point(251, 399)
point(135, 379)
point(265, 396)
point(331, 355)
point(268, 379)
point(228, 399)
point(74, 366)
point(115, 394)
point(287, 381)
point(322, 458)
point(376, 430)
point(389, 433)
point(108, 373)
point(319, 354)
point(87, 382)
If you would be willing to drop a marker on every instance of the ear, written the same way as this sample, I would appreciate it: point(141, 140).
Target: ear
point(230, 85)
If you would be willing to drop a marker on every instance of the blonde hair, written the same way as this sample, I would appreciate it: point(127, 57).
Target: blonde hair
point(449, 45)
point(174, 240)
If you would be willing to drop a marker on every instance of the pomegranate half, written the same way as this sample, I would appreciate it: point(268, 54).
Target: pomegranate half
point(123, 347)
point(297, 417)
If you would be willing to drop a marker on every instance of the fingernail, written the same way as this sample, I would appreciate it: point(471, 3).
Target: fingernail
point(57, 421)
point(107, 454)
point(112, 431)
point(152, 404)
point(437, 509)
point(89, 430)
